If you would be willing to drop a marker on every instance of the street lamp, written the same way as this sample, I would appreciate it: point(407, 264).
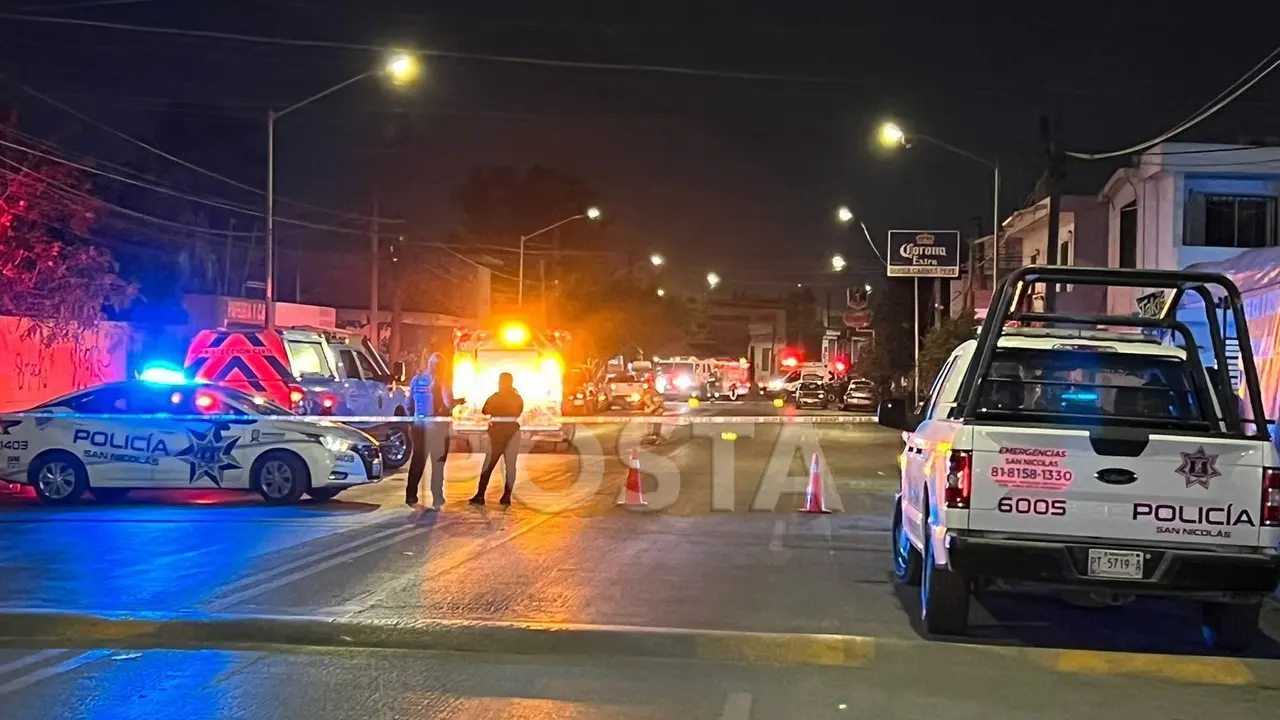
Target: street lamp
point(662, 293)
point(591, 213)
point(838, 262)
point(713, 280)
point(846, 218)
point(657, 260)
point(892, 136)
point(401, 69)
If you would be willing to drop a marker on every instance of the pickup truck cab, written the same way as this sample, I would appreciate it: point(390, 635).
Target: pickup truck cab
point(311, 371)
point(1085, 460)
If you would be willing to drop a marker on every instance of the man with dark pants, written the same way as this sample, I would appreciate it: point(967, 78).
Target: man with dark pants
point(432, 406)
point(504, 437)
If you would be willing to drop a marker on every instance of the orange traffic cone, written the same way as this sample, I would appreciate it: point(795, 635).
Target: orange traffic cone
point(813, 502)
point(634, 492)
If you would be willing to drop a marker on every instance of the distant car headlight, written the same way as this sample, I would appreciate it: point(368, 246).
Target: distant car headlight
point(683, 382)
point(775, 384)
point(335, 444)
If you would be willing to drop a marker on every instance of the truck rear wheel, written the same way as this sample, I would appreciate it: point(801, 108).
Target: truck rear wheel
point(944, 597)
point(1231, 626)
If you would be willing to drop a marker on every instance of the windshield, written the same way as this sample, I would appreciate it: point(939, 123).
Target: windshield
point(680, 368)
point(1092, 387)
point(622, 378)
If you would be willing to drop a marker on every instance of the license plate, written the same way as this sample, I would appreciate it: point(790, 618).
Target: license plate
point(1120, 564)
point(578, 401)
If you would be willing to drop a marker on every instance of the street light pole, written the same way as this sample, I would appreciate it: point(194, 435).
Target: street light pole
point(269, 288)
point(402, 68)
point(592, 213)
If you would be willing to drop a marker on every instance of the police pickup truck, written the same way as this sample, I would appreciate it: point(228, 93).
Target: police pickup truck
point(1051, 453)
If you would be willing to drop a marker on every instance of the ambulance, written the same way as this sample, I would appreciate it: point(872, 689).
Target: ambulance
point(535, 359)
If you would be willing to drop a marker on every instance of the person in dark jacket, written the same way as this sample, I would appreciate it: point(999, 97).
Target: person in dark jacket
point(504, 437)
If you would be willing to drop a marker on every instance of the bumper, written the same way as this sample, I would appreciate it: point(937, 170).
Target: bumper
point(811, 400)
point(1166, 571)
point(360, 467)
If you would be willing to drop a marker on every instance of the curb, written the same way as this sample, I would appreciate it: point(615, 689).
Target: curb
point(151, 630)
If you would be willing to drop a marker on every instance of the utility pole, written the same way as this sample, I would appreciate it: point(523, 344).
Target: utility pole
point(373, 272)
point(1051, 135)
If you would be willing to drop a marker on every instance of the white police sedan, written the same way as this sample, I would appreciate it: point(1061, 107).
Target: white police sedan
point(112, 438)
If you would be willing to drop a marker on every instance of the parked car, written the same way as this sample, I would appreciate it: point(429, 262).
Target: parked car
point(860, 397)
point(810, 394)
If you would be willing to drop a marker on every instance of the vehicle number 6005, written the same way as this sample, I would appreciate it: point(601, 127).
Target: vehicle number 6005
point(1032, 506)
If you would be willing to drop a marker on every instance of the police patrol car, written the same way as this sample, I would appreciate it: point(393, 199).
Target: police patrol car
point(110, 439)
point(1113, 464)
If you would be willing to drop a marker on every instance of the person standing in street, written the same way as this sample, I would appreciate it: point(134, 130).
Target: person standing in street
point(430, 436)
point(504, 437)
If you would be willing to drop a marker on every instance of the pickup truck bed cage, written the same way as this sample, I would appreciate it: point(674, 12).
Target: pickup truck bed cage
point(1014, 290)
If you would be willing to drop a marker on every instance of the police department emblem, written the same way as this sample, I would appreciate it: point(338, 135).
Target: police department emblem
point(208, 456)
point(1198, 468)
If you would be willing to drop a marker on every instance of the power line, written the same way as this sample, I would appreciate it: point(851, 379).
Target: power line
point(1222, 100)
point(87, 4)
point(180, 161)
point(510, 59)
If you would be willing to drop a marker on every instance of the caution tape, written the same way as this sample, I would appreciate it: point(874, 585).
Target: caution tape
point(462, 424)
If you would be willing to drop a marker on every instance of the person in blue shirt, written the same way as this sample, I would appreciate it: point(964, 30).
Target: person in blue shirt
point(431, 399)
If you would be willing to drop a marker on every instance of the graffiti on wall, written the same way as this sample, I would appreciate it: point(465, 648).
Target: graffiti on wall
point(32, 372)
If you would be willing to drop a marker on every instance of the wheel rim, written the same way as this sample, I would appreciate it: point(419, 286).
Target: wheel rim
point(276, 479)
point(924, 581)
point(395, 446)
point(56, 480)
point(900, 548)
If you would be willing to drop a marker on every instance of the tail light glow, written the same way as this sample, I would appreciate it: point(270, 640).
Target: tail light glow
point(327, 404)
point(205, 402)
point(959, 479)
point(1271, 497)
point(296, 394)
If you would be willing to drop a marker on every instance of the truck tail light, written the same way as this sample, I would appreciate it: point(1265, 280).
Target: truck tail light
point(327, 404)
point(959, 479)
point(1271, 497)
point(206, 402)
point(296, 395)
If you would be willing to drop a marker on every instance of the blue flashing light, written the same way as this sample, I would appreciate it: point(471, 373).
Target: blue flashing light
point(1080, 396)
point(163, 375)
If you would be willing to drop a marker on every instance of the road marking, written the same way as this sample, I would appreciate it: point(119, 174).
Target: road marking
point(737, 706)
point(779, 531)
point(31, 659)
point(62, 667)
point(1207, 670)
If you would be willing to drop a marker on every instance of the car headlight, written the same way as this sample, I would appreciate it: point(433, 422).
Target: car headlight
point(335, 444)
point(775, 384)
point(683, 382)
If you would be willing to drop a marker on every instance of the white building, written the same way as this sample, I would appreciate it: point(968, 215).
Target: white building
point(1185, 203)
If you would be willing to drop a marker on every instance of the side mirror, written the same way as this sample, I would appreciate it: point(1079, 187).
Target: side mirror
point(892, 413)
point(398, 372)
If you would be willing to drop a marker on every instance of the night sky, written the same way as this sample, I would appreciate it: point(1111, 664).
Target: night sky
point(740, 175)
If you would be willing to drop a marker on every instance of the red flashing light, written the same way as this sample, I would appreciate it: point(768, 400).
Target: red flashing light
point(327, 404)
point(840, 366)
point(296, 394)
point(205, 402)
point(790, 362)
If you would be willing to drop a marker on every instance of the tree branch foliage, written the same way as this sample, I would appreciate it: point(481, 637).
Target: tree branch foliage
point(48, 272)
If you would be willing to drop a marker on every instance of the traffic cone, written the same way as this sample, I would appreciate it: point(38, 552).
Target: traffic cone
point(813, 502)
point(634, 492)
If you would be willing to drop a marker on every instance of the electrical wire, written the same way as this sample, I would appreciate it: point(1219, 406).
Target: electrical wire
point(86, 5)
point(172, 158)
point(1234, 91)
point(510, 59)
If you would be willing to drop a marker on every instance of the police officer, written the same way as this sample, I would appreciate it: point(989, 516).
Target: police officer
point(504, 437)
point(431, 399)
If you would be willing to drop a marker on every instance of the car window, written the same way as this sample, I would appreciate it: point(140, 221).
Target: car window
point(813, 377)
point(793, 376)
point(367, 370)
point(1092, 386)
point(935, 392)
point(623, 378)
point(308, 359)
point(105, 400)
point(350, 367)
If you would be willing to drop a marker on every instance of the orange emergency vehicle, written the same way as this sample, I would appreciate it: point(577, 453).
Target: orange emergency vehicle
point(535, 359)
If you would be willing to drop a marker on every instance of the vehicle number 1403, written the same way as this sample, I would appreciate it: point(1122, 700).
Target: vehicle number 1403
point(1032, 506)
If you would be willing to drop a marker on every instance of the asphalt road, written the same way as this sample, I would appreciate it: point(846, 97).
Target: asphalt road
point(719, 548)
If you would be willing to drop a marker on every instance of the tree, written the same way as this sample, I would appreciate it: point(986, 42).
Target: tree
point(941, 340)
point(891, 356)
point(48, 271)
